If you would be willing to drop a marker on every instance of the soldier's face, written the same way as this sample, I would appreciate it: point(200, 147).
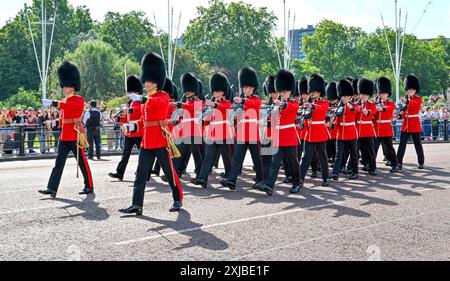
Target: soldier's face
point(68, 90)
point(384, 96)
point(218, 95)
point(248, 91)
point(411, 92)
point(315, 95)
point(150, 87)
point(274, 96)
point(285, 95)
point(364, 97)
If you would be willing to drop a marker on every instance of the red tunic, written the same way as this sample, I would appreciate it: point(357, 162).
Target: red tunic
point(383, 121)
point(71, 110)
point(315, 129)
point(346, 124)
point(133, 117)
point(411, 120)
point(364, 124)
point(155, 109)
point(285, 133)
point(248, 125)
point(333, 132)
point(219, 127)
point(190, 125)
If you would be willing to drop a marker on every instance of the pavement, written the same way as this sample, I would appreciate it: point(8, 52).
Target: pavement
point(389, 217)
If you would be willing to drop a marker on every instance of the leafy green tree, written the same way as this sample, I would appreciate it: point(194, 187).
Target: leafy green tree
point(24, 99)
point(231, 36)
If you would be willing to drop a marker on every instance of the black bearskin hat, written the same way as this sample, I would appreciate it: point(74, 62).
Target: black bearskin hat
point(316, 83)
point(248, 78)
point(190, 83)
point(344, 88)
point(134, 85)
point(412, 82)
point(285, 81)
point(269, 85)
point(384, 85)
point(355, 86)
point(366, 86)
point(153, 70)
point(303, 86)
point(170, 88)
point(219, 83)
point(201, 95)
point(69, 75)
point(331, 90)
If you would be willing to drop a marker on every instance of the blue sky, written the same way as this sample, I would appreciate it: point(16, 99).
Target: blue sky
point(362, 13)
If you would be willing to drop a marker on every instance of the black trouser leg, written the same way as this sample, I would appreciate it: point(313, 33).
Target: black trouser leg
point(90, 138)
point(308, 154)
point(391, 154)
point(266, 160)
point(323, 159)
point(291, 155)
point(180, 162)
point(240, 150)
point(331, 149)
point(163, 157)
point(55, 179)
point(345, 158)
point(84, 166)
point(146, 160)
point(352, 147)
point(368, 153)
point(255, 151)
point(275, 168)
point(315, 161)
point(227, 157)
point(404, 138)
point(419, 148)
point(211, 150)
point(287, 168)
point(198, 158)
point(340, 150)
point(127, 149)
point(98, 144)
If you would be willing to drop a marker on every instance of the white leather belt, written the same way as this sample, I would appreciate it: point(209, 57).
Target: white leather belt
point(189, 120)
point(317, 123)
point(383, 121)
point(365, 122)
point(286, 127)
point(249, 121)
point(413, 116)
point(347, 124)
point(215, 123)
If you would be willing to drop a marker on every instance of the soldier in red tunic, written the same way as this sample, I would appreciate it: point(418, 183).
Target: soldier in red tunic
point(247, 133)
point(285, 134)
point(316, 136)
point(333, 100)
point(190, 131)
point(411, 122)
point(347, 137)
point(219, 133)
point(130, 115)
point(364, 124)
point(383, 121)
point(155, 141)
point(71, 111)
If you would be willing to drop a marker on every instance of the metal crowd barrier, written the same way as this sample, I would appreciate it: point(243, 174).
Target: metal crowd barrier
point(17, 140)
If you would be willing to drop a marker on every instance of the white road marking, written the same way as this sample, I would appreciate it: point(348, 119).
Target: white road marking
point(332, 203)
point(342, 233)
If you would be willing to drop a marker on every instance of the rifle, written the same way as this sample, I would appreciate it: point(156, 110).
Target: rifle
point(304, 113)
point(177, 113)
point(206, 111)
point(238, 109)
point(338, 113)
point(402, 108)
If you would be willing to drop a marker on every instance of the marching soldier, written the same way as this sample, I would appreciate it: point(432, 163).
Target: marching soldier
point(220, 132)
point(72, 136)
point(383, 122)
point(269, 90)
point(411, 122)
point(247, 136)
point(285, 135)
point(347, 137)
point(191, 132)
point(366, 130)
point(156, 141)
point(171, 89)
point(316, 136)
point(333, 100)
point(132, 138)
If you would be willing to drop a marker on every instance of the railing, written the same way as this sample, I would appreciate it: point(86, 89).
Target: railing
point(22, 141)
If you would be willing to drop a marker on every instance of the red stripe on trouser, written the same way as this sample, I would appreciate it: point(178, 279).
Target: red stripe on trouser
point(175, 177)
point(86, 166)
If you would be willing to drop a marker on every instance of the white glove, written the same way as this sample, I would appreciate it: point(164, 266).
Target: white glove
point(47, 102)
point(134, 97)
